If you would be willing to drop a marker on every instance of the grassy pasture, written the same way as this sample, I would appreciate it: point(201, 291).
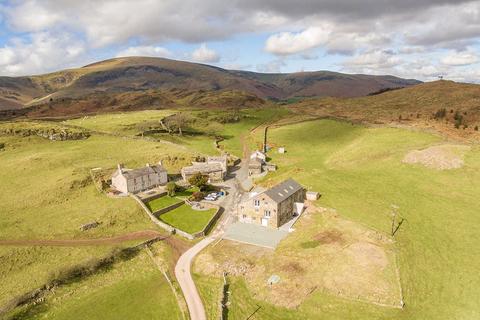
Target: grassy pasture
point(129, 124)
point(132, 289)
point(359, 172)
point(187, 219)
point(124, 123)
point(46, 193)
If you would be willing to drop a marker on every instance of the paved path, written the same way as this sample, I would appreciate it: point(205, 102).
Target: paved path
point(138, 235)
point(182, 269)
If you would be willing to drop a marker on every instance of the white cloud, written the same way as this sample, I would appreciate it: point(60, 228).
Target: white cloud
point(43, 52)
point(204, 54)
point(376, 59)
point(149, 51)
point(286, 43)
point(460, 58)
point(31, 16)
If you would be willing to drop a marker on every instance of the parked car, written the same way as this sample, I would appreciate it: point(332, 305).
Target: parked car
point(211, 197)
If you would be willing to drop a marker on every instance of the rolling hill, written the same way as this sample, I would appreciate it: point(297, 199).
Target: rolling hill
point(445, 106)
point(133, 74)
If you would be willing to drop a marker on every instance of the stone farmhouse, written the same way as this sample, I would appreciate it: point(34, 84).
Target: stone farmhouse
point(273, 207)
point(137, 180)
point(214, 167)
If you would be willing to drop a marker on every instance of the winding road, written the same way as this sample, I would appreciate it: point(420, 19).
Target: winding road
point(183, 266)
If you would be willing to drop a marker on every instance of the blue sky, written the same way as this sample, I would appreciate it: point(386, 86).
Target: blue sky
point(411, 39)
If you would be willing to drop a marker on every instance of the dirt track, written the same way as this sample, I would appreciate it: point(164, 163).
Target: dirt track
point(137, 235)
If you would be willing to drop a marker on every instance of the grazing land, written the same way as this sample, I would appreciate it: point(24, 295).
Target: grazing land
point(187, 219)
point(359, 172)
point(47, 193)
point(133, 289)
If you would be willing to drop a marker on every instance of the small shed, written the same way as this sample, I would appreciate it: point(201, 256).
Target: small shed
point(281, 150)
point(312, 195)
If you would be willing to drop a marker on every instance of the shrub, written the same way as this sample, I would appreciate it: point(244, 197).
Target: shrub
point(171, 188)
point(476, 128)
point(197, 196)
point(2, 146)
point(440, 114)
point(198, 180)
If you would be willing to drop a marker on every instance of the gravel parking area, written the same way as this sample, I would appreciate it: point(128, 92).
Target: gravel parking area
point(255, 235)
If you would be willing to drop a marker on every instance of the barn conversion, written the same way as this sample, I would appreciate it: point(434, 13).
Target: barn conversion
point(273, 207)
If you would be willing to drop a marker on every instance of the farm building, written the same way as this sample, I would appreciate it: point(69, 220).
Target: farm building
point(215, 168)
point(256, 163)
point(312, 195)
point(136, 180)
point(273, 207)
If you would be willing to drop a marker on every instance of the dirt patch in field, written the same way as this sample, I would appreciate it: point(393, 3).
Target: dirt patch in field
point(442, 157)
point(326, 253)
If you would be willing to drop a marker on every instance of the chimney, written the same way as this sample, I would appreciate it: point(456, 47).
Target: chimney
point(120, 167)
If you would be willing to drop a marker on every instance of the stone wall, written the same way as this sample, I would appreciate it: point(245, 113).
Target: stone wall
point(169, 208)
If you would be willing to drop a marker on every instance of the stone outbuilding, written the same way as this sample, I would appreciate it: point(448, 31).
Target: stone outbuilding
point(312, 195)
point(256, 163)
point(215, 168)
point(137, 180)
point(273, 207)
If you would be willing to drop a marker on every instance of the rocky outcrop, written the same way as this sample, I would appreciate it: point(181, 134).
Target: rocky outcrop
point(55, 134)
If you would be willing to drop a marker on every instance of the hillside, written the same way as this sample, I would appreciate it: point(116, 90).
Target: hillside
point(435, 105)
point(141, 73)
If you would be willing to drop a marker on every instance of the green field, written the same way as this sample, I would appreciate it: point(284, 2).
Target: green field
point(359, 172)
point(47, 193)
point(187, 219)
point(161, 203)
point(132, 289)
point(125, 123)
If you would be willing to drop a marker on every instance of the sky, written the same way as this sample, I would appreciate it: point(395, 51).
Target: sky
point(421, 39)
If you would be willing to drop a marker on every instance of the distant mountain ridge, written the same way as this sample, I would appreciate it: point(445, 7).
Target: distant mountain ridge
point(133, 74)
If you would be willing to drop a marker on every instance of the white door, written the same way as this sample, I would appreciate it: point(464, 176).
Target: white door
point(265, 222)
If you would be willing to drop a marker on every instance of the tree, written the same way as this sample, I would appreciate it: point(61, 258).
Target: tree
point(198, 180)
point(197, 196)
point(171, 188)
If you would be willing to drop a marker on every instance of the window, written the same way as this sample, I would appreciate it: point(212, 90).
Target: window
point(256, 203)
point(244, 216)
point(267, 213)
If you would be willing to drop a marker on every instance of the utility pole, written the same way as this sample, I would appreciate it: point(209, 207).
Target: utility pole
point(394, 214)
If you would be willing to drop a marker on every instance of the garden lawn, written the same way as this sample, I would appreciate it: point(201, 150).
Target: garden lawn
point(161, 203)
point(187, 219)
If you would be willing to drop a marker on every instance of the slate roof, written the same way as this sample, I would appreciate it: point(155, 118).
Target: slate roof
point(283, 190)
point(140, 172)
point(203, 168)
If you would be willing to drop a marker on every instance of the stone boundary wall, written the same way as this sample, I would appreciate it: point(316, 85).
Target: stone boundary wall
point(211, 222)
point(155, 196)
point(151, 216)
point(169, 208)
point(172, 229)
point(37, 296)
